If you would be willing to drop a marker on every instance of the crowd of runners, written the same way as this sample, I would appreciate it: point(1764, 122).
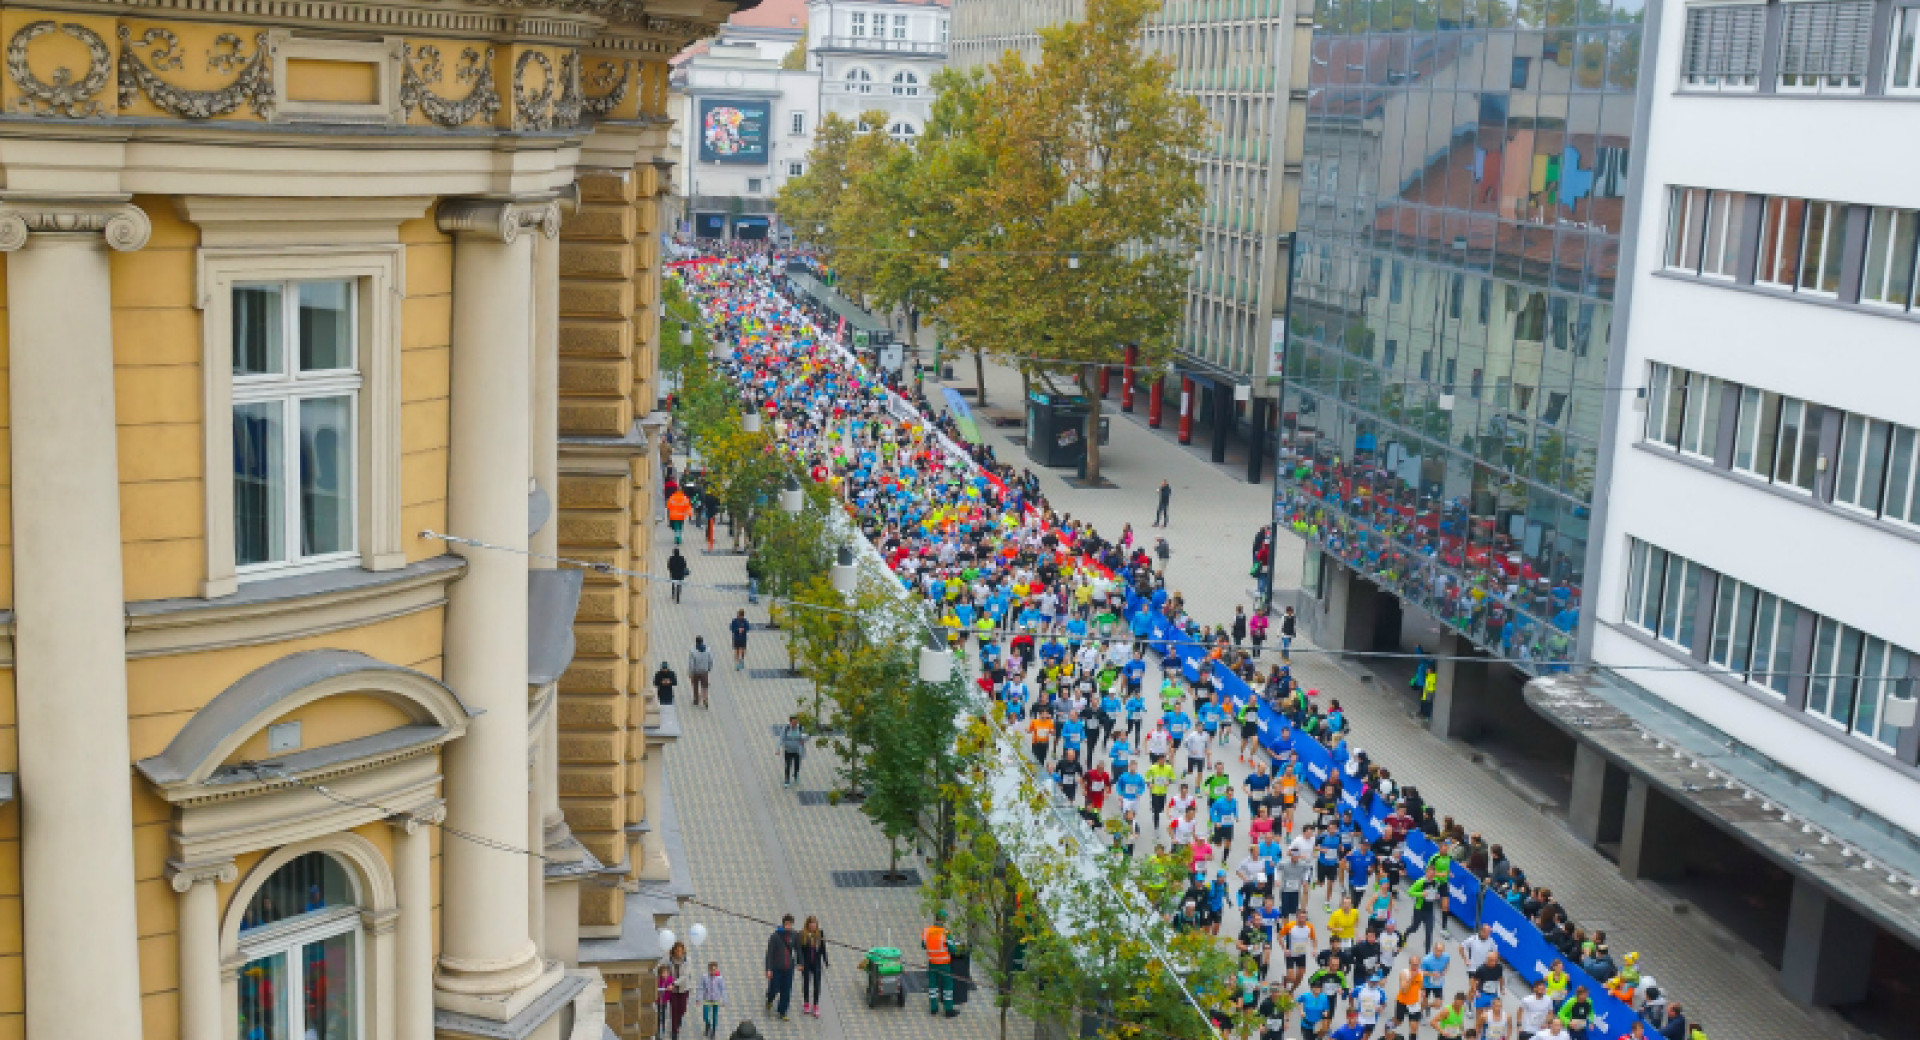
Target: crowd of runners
point(1338, 930)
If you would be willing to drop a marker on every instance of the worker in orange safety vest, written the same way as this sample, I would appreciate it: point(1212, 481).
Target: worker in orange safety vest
point(679, 507)
point(939, 965)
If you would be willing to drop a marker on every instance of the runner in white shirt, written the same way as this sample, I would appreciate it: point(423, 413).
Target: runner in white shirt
point(1535, 1009)
point(1158, 743)
point(1370, 1001)
point(1195, 746)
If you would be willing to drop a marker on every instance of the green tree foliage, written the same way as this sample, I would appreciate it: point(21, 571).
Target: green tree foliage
point(796, 59)
point(1061, 196)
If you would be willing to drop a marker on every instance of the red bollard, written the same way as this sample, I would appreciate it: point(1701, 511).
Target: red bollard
point(1102, 382)
point(1126, 380)
point(1156, 401)
point(1186, 410)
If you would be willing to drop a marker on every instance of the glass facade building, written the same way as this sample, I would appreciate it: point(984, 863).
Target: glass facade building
point(1464, 182)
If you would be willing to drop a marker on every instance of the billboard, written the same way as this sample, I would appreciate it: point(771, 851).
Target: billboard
point(733, 131)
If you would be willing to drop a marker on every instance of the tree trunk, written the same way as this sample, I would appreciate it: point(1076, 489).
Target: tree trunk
point(979, 379)
point(1092, 392)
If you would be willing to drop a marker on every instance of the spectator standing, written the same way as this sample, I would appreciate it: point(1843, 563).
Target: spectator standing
point(813, 964)
point(664, 682)
point(1166, 499)
point(782, 956)
point(712, 995)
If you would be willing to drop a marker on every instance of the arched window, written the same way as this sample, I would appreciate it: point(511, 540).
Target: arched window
point(301, 939)
point(906, 84)
point(903, 131)
point(859, 81)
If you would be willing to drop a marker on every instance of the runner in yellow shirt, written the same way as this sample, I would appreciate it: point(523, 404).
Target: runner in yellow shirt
point(1342, 922)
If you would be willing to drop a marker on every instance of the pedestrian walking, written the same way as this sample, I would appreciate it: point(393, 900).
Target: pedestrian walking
point(700, 672)
point(793, 748)
point(677, 570)
point(1166, 499)
point(664, 682)
point(675, 994)
point(1288, 629)
point(782, 956)
point(1239, 626)
point(813, 963)
point(712, 995)
point(679, 507)
point(739, 627)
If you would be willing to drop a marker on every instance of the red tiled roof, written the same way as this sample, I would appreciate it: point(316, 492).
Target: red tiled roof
point(772, 14)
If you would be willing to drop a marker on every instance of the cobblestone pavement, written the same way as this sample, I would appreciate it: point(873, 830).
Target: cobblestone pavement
point(758, 850)
point(1214, 515)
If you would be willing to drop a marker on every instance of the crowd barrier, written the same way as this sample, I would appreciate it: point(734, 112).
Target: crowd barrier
point(1522, 948)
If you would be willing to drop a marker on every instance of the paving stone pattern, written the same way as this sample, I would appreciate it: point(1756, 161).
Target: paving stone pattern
point(762, 850)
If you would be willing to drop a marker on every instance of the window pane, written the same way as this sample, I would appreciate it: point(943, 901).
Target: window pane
point(259, 483)
point(326, 326)
point(326, 979)
point(326, 476)
point(1820, 263)
point(1726, 224)
point(256, 331)
point(1676, 408)
point(1780, 241)
point(1703, 415)
point(1783, 646)
point(1747, 431)
point(1741, 658)
point(1903, 503)
point(1657, 406)
point(1891, 244)
point(1906, 70)
point(262, 1012)
point(315, 881)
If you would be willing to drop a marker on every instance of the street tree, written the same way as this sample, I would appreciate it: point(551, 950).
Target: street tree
point(1085, 219)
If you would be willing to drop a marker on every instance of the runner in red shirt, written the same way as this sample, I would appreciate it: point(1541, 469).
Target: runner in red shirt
point(1098, 781)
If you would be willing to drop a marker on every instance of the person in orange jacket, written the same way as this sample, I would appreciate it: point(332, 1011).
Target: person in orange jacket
point(679, 507)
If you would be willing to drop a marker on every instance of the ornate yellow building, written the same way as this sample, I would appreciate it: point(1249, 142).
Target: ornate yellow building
point(287, 283)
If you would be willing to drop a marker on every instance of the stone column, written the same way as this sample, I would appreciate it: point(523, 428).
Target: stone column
point(1653, 834)
point(545, 417)
point(199, 945)
point(1827, 956)
point(488, 964)
point(413, 940)
point(82, 972)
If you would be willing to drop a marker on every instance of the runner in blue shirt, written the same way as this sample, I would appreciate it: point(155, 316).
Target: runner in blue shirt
point(1314, 1007)
point(1051, 651)
point(1327, 866)
point(1359, 872)
point(1131, 786)
point(1135, 670)
point(1073, 733)
point(1433, 975)
point(1136, 712)
point(1076, 632)
point(1225, 812)
point(1178, 723)
point(1120, 752)
point(1210, 718)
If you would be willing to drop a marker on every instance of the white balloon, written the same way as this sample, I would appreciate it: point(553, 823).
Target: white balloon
point(666, 938)
point(697, 935)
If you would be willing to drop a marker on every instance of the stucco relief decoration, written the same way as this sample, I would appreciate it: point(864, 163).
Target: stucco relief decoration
point(532, 111)
point(64, 96)
point(612, 80)
point(474, 69)
point(253, 86)
point(569, 105)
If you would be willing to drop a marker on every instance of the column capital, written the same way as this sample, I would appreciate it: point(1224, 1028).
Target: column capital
point(499, 219)
point(414, 821)
point(124, 225)
point(183, 876)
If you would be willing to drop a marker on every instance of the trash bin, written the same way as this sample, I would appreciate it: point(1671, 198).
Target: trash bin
point(962, 974)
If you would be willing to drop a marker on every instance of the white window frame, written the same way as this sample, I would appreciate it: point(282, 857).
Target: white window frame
point(291, 389)
point(1905, 31)
point(378, 275)
point(284, 938)
point(1901, 501)
point(1881, 240)
point(859, 81)
point(1720, 238)
point(1792, 445)
point(1683, 243)
point(857, 25)
point(796, 168)
point(797, 124)
point(906, 84)
point(899, 26)
point(1822, 82)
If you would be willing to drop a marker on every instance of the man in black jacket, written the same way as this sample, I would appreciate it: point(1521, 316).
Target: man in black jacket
point(677, 570)
point(781, 957)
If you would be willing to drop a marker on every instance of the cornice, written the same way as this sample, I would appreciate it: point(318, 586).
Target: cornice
point(551, 21)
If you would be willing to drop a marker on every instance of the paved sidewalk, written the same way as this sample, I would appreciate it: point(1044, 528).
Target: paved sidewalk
point(758, 850)
point(1214, 517)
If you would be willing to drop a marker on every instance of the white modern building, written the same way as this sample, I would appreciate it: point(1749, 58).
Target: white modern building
point(744, 125)
point(1758, 531)
point(878, 55)
point(1246, 63)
